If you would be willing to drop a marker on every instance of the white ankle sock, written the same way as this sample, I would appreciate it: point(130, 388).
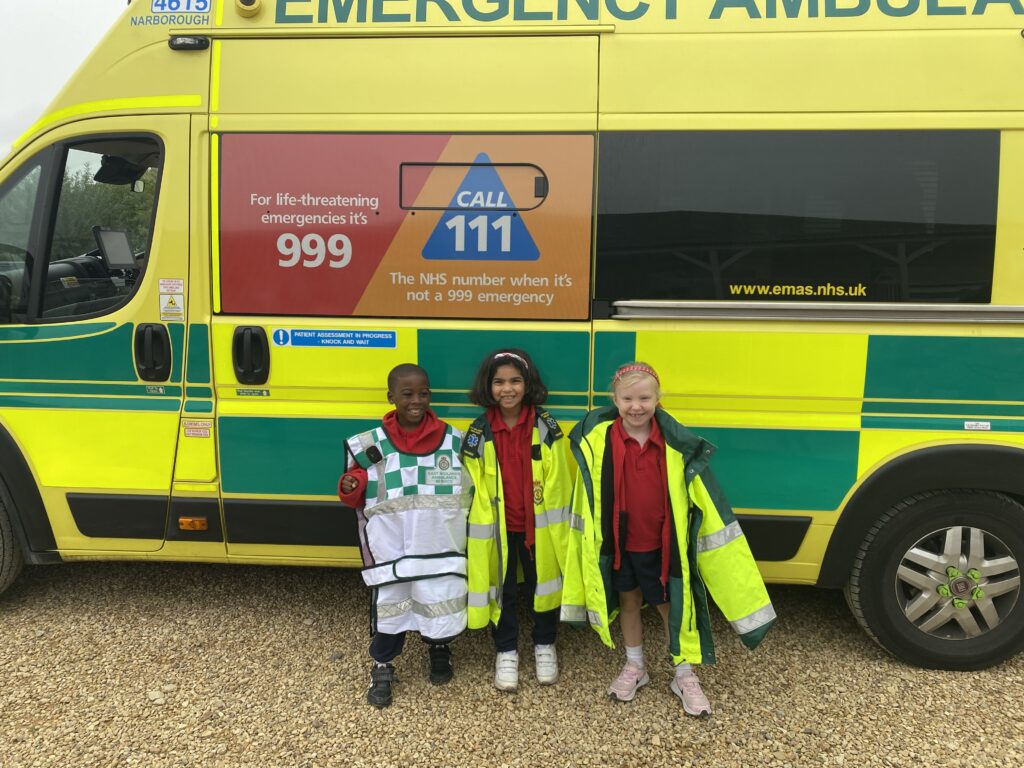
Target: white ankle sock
point(635, 655)
point(682, 668)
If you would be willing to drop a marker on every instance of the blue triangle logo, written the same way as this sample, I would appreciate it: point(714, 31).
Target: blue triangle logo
point(481, 222)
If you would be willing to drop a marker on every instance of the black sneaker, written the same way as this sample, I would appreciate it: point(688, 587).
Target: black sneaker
point(381, 678)
point(440, 664)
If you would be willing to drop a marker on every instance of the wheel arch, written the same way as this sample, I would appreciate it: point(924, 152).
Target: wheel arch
point(21, 495)
point(945, 467)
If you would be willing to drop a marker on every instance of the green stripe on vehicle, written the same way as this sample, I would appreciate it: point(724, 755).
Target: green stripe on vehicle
point(41, 332)
point(610, 351)
point(177, 334)
point(198, 406)
point(198, 368)
point(285, 456)
point(198, 392)
point(796, 469)
point(105, 357)
point(944, 368)
point(452, 356)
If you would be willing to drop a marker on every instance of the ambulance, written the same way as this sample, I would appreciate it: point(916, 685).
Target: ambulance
point(807, 215)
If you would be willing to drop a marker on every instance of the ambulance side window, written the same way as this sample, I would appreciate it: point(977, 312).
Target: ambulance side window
point(786, 216)
point(102, 226)
point(17, 210)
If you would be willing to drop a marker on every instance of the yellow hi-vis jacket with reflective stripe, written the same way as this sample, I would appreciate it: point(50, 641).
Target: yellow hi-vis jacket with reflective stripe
point(708, 549)
point(487, 543)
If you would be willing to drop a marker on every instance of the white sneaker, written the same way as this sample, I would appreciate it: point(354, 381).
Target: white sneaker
point(547, 664)
point(506, 671)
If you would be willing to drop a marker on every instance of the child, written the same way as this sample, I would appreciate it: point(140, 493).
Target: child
point(404, 480)
point(519, 513)
point(649, 516)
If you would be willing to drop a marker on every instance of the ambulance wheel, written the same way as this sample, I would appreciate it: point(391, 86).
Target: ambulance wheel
point(10, 550)
point(936, 581)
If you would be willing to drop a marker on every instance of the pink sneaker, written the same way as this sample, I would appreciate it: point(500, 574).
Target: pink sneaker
point(625, 686)
point(686, 686)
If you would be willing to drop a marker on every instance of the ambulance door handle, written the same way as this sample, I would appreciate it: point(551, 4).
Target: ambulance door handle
point(250, 352)
point(152, 352)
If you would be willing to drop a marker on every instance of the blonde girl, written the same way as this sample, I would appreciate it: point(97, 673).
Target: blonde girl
point(650, 521)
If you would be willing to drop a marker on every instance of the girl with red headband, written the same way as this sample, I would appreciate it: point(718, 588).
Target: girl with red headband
point(519, 513)
point(649, 521)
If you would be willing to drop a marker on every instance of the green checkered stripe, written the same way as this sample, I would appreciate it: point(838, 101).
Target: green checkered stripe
point(405, 474)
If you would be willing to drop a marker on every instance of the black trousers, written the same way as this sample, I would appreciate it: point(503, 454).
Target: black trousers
point(545, 624)
point(385, 648)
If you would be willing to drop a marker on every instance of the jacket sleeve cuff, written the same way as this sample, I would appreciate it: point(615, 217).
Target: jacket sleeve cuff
point(357, 497)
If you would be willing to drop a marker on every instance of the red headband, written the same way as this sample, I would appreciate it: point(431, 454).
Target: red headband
point(638, 368)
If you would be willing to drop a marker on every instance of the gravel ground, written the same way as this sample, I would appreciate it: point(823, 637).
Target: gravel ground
point(116, 664)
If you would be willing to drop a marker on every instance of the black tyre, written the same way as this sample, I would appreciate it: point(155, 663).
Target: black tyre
point(936, 581)
point(10, 551)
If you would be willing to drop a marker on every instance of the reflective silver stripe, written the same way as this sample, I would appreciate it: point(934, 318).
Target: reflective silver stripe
point(390, 610)
point(551, 517)
point(719, 538)
point(549, 587)
point(542, 430)
point(441, 608)
point(576, 522)
point(367, 439)
point(757, 619)
point(483, 531)
point(428, 610)
point(427, 502)
point(573, 612)
point(482, 599)
point(594, 618)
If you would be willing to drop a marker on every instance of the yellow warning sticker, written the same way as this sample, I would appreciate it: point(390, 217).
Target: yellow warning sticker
point(172, 306)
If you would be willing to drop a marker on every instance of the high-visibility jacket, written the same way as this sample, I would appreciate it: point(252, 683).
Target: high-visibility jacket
point(708, 549)
point(487, 543)
point(413, 534)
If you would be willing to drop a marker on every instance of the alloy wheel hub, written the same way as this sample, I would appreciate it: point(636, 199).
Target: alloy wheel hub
point(957, 583)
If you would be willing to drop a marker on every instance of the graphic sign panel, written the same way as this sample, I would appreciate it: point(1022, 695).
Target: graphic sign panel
point(474, 226)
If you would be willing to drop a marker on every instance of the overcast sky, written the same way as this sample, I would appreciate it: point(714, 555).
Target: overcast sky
point(42, 42)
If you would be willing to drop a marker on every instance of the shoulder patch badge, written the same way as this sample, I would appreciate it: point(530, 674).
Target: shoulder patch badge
point(552, 424)
point(471, 445)
point(373, 454)
point(538, 492)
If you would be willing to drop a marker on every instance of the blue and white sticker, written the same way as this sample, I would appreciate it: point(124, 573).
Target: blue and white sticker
point(179, 6)
point(173, 13)
point(300, 337)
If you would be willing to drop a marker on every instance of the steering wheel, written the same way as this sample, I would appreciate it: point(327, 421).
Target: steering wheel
point(14, 250)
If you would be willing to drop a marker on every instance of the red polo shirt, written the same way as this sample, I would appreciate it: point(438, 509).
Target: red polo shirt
point(643, 488)
point(513, 449)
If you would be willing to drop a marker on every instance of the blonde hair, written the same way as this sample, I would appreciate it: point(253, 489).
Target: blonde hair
point(631, 373)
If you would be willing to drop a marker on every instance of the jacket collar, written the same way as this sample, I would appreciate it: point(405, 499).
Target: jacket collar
point(695, 450)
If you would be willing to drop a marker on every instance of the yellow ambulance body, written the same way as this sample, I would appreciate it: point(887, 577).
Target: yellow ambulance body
point(805, 214)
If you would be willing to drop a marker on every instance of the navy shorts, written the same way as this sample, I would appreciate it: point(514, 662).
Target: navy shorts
point(643, 570)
